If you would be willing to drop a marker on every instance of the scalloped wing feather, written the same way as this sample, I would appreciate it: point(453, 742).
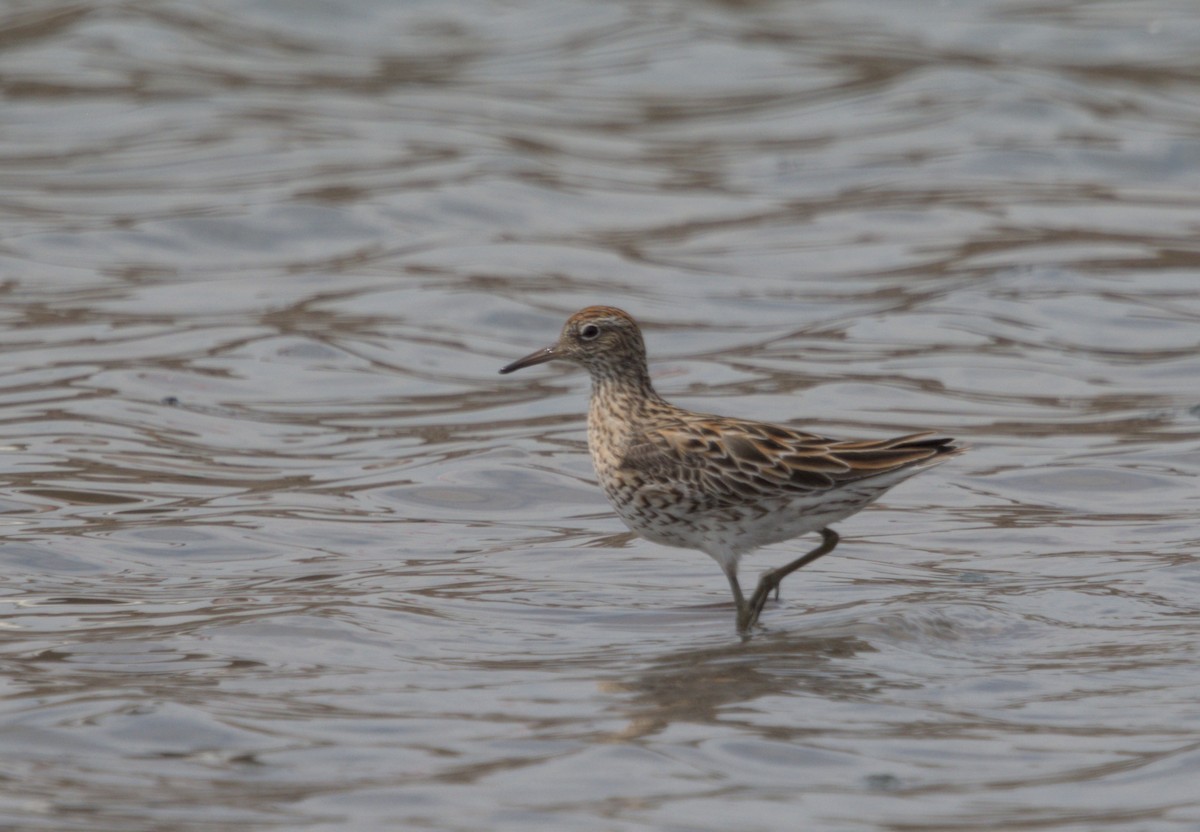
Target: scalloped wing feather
point(723, 462)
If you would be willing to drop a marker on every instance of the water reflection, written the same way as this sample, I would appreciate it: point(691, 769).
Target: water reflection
point(280, 549)
point(719, 683)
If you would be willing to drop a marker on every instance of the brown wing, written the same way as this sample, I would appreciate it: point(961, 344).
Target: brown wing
point(723, 462)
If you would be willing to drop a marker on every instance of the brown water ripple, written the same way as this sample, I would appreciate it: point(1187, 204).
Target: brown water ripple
point(281, 550)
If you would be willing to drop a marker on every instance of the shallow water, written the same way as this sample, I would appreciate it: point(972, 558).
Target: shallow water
point(283, 551)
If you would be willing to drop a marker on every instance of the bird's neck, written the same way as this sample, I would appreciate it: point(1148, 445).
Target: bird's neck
point(627, 390)
point(619, 405)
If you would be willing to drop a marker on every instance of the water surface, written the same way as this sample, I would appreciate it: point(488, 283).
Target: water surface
point(283, 551)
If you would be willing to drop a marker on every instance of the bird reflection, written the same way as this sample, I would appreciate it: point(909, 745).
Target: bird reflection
point(699, 685)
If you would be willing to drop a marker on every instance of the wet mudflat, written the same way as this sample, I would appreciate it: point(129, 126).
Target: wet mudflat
point(282, 551)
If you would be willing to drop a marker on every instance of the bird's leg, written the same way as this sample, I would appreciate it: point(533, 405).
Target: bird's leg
point(743, 611)
point(771, 579)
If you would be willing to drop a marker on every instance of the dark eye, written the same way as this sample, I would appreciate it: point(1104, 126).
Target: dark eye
point(588, 332)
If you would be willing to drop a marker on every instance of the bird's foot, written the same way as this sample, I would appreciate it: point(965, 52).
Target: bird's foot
point(748, 615)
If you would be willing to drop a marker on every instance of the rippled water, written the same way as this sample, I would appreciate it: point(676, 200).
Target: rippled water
point(283, 551)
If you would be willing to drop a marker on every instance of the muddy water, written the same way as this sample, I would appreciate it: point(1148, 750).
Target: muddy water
point(282, 551)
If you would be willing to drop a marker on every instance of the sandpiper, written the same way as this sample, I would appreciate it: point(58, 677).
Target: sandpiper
point(722, 485)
